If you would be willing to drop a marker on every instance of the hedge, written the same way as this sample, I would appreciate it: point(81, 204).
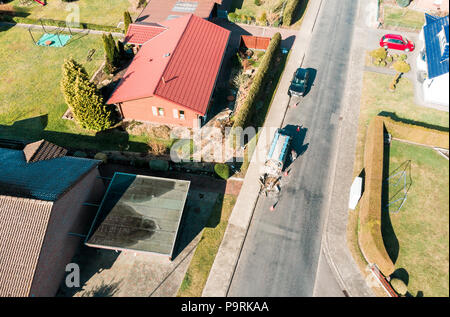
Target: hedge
point(51, 22)
point(417, 133)
point(246, 109)
point(370, 238)
point(289, 11)
point(159, 165)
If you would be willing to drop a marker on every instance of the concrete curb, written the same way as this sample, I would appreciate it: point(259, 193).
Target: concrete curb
point(222, 271)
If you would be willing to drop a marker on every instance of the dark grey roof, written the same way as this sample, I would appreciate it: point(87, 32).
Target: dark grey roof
point(42, 180)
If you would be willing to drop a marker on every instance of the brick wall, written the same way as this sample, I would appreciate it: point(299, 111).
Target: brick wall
point(68, 215)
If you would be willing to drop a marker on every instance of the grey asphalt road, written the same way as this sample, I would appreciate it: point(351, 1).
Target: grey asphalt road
point(280, 256)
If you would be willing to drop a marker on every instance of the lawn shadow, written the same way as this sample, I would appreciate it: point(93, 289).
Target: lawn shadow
point(33, 129)
point(389, 238)
point(394, 117)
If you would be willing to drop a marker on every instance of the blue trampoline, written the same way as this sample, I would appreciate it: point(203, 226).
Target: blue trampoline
point(53, 40)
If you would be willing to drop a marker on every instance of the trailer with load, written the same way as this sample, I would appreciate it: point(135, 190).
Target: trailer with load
point(279, 151)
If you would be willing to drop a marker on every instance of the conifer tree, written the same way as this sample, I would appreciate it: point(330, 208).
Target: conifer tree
point(127, 20)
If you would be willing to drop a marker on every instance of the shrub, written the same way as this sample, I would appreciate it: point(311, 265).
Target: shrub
point(232, 17)
point(370, 238)
point(379, 53)
point(83, 98)
point(240, 119)
point(258, 2)
point(399, 286)
point(403, 57)
point(159, 165)
point(389, 59)
point(222, 170)
point(403, 3)
point(156, 148)
point(127, 20)
point(289, 11)
point(263, 18)
point(80, 154)
point(101, 157)
point(382, 63)
point(401, 66)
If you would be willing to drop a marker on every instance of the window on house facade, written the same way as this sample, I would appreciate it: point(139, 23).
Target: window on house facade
point(161, 112)
point(155, 111)
point(181, 114)
point(175, 113)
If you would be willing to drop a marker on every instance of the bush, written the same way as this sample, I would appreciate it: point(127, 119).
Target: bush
point(258, 2)
point(382, 63)
point(222, 170)
point(156, 148)
point(240, 119)
point(370, 238)
point(232, 17)
point(101, 157)
point(159, 165)
point(127, 20)
point(289, 11)
point(83, 98)
point(379, 53)
point(401, 66)
point(403, 3)
point(399, 286)
point(389, 59)
point(263, 18)
point(403, 57)
point(80, 154)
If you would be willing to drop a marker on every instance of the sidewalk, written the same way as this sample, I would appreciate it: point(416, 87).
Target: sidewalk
point(228, 254)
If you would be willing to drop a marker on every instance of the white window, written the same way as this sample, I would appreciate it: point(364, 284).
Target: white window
point(161, 112)
point(155, 112)
point(181, 114)
point(175, 113)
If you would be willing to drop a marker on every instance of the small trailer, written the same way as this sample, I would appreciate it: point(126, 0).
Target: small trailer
point(275, 160)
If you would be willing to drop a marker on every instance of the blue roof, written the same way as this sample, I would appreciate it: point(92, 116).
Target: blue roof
point(437, 55)
point(43, 180)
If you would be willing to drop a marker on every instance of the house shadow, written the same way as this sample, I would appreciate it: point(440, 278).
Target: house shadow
point(91, 261)
point(33, 129)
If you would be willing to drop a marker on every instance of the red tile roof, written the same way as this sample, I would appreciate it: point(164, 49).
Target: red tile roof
point(180, 65)
point(139, 33)
point(160, 10)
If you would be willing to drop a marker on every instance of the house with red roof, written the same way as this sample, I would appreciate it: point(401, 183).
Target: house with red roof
point(172, 77)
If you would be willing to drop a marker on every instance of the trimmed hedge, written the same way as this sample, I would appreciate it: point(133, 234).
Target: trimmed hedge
point(289, 11)
point(416, 133)
point(159, 165)
point(370, 238)
point(51, 22)
point(260, 79)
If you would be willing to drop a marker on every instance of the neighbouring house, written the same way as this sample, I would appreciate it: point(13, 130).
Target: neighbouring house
point(172, 77)
point(43, 215)
point(431, 5)
point(432, 61)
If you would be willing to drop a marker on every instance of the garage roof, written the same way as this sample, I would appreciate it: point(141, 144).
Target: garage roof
point(140, 213)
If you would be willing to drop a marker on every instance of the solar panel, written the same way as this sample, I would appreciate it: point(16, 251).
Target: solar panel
point(188, 7)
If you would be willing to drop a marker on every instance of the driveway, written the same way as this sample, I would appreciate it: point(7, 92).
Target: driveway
point(284, 245)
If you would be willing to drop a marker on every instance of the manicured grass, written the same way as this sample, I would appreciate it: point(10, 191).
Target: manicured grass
point(376, 98)
point(422, 224)
point(203, 259)
point(31, 102)
point(403, 17)
point(104, 12)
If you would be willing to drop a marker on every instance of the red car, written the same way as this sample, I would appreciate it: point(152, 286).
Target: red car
point(396, 42)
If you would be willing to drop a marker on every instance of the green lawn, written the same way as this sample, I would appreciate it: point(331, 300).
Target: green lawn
point(104, 12)
point(31, 103)
point(203, 259)
point(420, 236)
point(403, 17)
